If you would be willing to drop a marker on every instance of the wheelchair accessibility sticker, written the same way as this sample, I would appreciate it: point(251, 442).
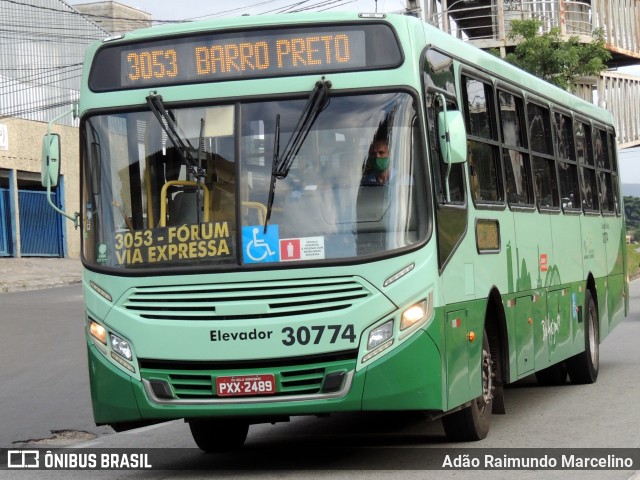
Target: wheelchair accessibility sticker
point(258, 246)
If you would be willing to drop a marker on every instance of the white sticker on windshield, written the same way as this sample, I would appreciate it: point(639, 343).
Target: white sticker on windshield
point(304, 248)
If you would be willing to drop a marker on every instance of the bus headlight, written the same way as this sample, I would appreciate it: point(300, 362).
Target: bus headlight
point(121, 347)
point(380, 335)
point(380, 339)
point(416, 315)
point(98, 332)
point(413, 315)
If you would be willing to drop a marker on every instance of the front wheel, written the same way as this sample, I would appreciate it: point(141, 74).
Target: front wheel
point(213, 435)
point(583, 368)
point(472, 422)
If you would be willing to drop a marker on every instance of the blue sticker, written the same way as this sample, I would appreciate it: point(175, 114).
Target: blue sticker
point(258, 246)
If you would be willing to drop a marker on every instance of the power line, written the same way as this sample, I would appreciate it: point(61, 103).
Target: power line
point(29, 33)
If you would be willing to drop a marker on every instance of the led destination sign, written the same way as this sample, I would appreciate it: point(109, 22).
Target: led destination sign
point(216, 57)
point(235, 57)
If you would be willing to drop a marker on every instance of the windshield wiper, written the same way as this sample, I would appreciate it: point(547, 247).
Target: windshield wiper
point(272, 184)
point(168, 124)
point(317, 102)
point(181, 143)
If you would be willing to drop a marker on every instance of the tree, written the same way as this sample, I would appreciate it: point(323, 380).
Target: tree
point(632, 215)
point(550, 57)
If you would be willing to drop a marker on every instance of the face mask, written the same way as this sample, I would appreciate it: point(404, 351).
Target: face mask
point(381, 164)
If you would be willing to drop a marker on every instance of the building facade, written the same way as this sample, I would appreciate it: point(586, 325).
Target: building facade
point(114, 17)
point(41, 59)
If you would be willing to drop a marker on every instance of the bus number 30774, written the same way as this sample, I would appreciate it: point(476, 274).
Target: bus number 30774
point(315, 334)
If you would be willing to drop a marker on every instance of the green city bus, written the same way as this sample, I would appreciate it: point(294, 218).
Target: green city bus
point(250, 257)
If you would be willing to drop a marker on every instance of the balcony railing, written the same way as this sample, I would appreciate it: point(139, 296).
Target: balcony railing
point(486, 23)
point(620, 94)
point(620, 20)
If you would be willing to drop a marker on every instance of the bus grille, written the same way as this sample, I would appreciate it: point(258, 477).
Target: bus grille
point(245, 301)
point(197, 380)
point(188, 387)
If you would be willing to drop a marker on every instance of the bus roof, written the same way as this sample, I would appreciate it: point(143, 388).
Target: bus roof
point(464, 52)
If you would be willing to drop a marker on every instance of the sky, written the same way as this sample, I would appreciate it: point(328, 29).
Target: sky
point(191, 9)
point(629, 159)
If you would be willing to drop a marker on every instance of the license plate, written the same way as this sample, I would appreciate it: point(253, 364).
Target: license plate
point(246, 385)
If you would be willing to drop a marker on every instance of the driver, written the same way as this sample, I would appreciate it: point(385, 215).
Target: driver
point(377, 170)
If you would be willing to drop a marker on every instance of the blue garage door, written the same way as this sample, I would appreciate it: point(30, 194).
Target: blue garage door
point(40, 225)
point(5, 223)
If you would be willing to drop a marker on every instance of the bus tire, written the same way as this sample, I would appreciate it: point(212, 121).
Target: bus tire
point(553, 375)
point(218, 435)
point(583, 367)
point(472, 422)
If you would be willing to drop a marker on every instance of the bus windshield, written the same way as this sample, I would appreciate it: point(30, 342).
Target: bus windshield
point(197, 193)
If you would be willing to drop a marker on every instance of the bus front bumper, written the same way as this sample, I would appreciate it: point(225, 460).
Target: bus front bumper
point(408, 378)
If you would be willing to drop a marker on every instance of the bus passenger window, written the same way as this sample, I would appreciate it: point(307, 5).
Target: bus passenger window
point(544, 169)
point(517, 169)
point(567, 166)
point(569, 186)
point(482, 139)
point(539, 129)
point(603, 164)
point(545, 182)
point(614, 171)
point(515, 155)
point(584, 155)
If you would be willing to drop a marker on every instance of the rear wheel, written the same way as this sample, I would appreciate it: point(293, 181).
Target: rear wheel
point(219, 435)
point(583, 368)
point(473, 422)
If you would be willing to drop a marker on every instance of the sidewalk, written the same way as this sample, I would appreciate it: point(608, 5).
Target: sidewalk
point(31, 273)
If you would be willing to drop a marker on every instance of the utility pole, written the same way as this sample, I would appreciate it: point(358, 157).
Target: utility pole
point(414, 9)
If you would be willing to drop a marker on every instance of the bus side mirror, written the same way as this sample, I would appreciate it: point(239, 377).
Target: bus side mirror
point(50, 161)
point(453, 137)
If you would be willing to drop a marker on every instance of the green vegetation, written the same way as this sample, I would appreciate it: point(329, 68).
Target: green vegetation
point(633, 261)
point(632, 216)
point(554, 59)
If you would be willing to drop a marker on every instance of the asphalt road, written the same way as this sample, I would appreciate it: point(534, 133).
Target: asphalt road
point(44, 388)
point(44, 379)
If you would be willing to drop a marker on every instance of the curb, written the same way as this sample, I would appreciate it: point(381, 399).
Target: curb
point(22, 286)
